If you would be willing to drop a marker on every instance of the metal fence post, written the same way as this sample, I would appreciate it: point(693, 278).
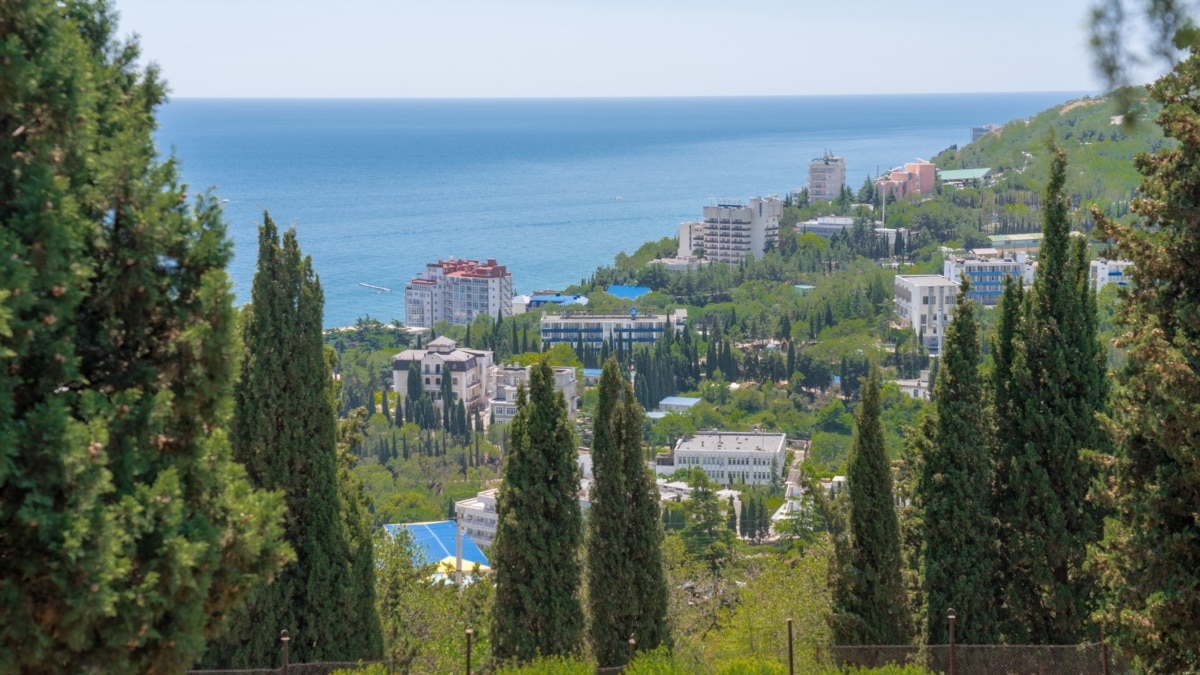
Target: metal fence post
point(470, 632)
point(283, 637)
point(1104, 649)
point(950, 615)
point(791, 663)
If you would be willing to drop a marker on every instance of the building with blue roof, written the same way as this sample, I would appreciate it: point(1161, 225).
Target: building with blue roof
point(433, 542)
point(677, 403)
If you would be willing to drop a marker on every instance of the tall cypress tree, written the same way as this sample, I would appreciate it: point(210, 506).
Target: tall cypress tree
point(953, 492)
point(126, 530)
point(537, 609)
point(1148, 562)
point(1053, 368)
point(869, 596)
point(624, 547)
point(286, 435)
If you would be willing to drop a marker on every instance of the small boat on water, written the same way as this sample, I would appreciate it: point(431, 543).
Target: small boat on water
point(374, 287)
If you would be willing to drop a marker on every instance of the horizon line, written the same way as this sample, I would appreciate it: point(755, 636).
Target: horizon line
point(1075, 92)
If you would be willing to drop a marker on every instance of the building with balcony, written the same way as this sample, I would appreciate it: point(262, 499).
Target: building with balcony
point(917, 177)
point(826, 177)
point(506, 379)
point(730, 457)
point(457, 291)
point(466, 368)
point(477, 517)
point(986, 271)
point(925, 303)
point(593, 330)
point(1102, 272)
point(734, 231)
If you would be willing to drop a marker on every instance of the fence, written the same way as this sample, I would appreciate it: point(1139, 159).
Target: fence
point(1093, 658)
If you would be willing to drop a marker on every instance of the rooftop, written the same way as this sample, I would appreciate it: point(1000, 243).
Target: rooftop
point(926, 280)
point(963, 174)
point(732, 441)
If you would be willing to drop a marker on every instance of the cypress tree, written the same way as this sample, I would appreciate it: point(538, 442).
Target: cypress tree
point(624, 546)
point(126, 530)
point(869, 597)
point(1046, 410)
point(285, 433)
point(953, 493)
point(1148, 562)
point(447, 399)
point(537, 609)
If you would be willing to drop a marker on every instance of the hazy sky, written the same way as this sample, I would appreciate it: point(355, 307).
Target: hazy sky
point(521, 48)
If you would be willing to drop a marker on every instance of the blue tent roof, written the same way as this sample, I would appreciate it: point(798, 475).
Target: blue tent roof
point(679, 400)
point(435, 541)
point(627, 292)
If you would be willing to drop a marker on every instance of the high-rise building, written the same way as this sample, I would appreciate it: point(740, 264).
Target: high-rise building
point(826, 177)
point(456, 291)
point(734, 231)
point(925, 303)
point(913, 178)
point(593, 330)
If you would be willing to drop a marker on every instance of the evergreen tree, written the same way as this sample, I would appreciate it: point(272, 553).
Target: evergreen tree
point(1053, 386)
point(953, 493)
point(1148, 562)
point(869, 597)
point(624, 546)
point(537, 609)
point(285, 433)
point(704, 534)
point(126, 530)
point(447, 399)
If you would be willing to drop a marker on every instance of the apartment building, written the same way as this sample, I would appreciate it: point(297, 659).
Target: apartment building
point(925, 303)
point(917, 177)
point(1102, 272)
point(734, 231)
point(596, 329)
point(477, 517)
point(826, 177)
point(986, 271)
point(730, 457)
point(457, 291)
point(506, 379)
point(466, 368)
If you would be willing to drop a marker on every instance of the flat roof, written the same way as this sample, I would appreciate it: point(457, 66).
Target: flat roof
point(732, 441)
point(926, 280)
point(1015, 237)
point(963, 174)
point(679, 400)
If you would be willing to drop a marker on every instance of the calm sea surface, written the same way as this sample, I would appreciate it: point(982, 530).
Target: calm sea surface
point(376, 188)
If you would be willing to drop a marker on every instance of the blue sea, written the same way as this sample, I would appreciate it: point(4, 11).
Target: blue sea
point(552, 188)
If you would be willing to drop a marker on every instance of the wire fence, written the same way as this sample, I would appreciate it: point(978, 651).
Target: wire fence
point(1094, 658)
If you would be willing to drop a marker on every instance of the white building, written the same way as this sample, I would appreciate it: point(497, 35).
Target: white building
point(734, 231)
point(506, 379)
point(729, 457)
point(477, 517)
point(457, 291)
point(925, 303)
point(986, 270)
point(826, 177)
point(1102, 272)
point(467, 369)
point(596, 329)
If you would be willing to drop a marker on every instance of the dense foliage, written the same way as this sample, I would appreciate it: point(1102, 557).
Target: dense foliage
point(127, 532)
point(537, 611)
point(1148, 559)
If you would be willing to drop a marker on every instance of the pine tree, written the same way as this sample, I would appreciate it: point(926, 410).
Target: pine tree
point(624, 546)
point(537, 609)
point(953, 493)
point(1046, 411)
point(1147, 563)
point(285, 433)
point(127, 532)
point(869, 597)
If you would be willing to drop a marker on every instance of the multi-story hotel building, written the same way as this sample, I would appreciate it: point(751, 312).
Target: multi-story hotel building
point(596, 329)
point(477, 517)
point(457, 291)
point(826, 177)
point(734, 231)
point(986, 274)
point(466, 368)
point(1102, 272)
point(734, 456)
point(925, 303)
point(913, 178)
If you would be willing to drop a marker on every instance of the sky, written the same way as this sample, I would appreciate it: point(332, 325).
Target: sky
point(608, 48)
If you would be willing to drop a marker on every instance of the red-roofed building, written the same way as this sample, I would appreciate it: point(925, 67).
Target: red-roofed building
point(456, 291)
